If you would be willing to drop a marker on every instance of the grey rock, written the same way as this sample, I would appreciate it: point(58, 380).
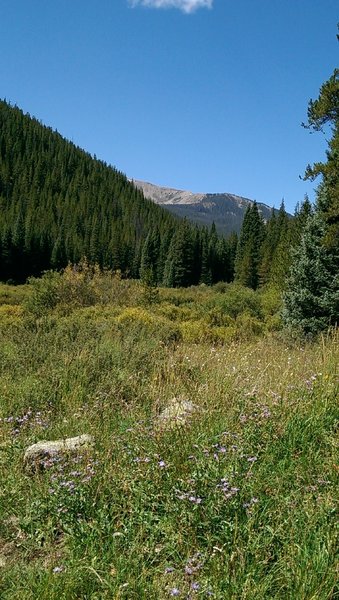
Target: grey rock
point(3, 561)
point(44, 449)
point(178, 412)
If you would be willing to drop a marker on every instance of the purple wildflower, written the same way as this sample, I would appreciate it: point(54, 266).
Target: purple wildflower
point(250, 503)
point(182, 496)
point(195, 499)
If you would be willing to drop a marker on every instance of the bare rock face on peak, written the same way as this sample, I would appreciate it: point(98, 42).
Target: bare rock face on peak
point(225, 210)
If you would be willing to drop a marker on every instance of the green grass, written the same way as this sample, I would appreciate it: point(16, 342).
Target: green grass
point(238, 504)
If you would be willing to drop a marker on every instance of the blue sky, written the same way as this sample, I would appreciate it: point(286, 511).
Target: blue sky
point(205, 95)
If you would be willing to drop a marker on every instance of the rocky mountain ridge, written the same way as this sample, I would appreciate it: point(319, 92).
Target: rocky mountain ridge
point(224, 209)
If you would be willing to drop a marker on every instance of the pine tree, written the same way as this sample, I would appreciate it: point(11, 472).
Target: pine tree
point(324, 111)
point(268, 249)
point(150, 257)
point(179, 266)
point(301, 215)
point(281, 258)
point(312, 296)
point(231, 251)
point(248, 256)
point(206, 271)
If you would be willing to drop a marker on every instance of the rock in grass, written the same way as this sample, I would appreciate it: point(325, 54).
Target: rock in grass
point(2, 561)
point(178, 412)
point(37, 453)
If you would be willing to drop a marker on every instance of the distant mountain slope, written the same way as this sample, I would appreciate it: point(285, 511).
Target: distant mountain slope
point(225, 210)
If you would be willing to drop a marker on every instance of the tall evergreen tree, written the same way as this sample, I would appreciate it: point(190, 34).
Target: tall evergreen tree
point(281, 258)
point(150, 257)
point(268, 248)
point(301, 214)
point(312, 296)
point(322, 112)
point(179, 266)
point(248, 255)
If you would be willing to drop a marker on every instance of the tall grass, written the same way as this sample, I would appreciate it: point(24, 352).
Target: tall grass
point(239, 503)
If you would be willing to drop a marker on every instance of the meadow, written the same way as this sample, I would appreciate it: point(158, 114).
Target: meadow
point(236, 501)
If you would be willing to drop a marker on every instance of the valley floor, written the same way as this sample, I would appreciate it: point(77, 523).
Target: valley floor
point(235, 500)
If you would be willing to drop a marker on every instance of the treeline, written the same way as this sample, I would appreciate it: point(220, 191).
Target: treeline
point(58, 204)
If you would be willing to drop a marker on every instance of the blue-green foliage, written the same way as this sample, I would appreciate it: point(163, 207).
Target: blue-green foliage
point(312, 297)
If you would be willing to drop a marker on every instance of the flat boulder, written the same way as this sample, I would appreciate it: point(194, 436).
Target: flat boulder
point(37, 453)
point(178, 412)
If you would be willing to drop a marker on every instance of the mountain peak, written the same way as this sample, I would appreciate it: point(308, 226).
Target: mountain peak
point(224, 209)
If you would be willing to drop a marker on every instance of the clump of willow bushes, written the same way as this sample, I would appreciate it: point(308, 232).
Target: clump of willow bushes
point(200, 314)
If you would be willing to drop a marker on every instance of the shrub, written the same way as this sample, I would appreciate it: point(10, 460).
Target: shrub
point(221, 287)
point(271, 300)
point(219, 318)
point(178, 313)
point(146, 323)
point(248, 326)
point(237, 300)
point(78, 286)
point(10, 314)
point(44, 294)
point(12, 294)
point(195, 331)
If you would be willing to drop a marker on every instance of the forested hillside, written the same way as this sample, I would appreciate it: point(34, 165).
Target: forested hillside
point(58, 204)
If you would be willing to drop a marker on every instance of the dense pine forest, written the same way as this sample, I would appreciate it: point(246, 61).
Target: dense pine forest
point(58, 205)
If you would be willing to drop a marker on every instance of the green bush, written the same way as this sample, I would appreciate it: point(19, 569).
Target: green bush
point(13, 294)
point(271, 301)
point(248, 326)
point(144, 323)
point(194, 331)
point(219, 318)
point(10, 314)
point(78, 286)
point(237, 300)
point(44, 294)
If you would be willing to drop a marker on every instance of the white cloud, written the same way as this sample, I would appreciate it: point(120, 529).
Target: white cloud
point(187, 6)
